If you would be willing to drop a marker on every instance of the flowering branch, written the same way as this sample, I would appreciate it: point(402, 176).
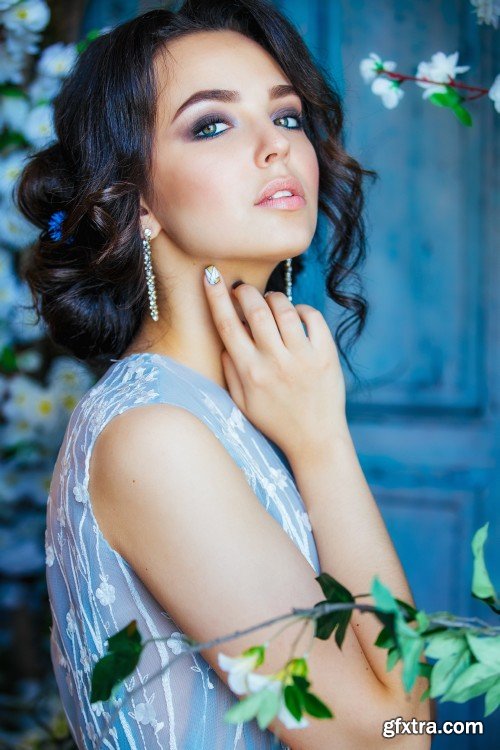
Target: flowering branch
point(467, 650)
point(436, 77)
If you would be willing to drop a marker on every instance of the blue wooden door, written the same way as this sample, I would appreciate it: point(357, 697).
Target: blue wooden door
point(426, 420)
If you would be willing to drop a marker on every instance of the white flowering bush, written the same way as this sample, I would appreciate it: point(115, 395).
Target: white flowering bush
point(437, 76)
point(38, 391)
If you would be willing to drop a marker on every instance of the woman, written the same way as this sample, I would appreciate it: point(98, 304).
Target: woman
point(223, 477)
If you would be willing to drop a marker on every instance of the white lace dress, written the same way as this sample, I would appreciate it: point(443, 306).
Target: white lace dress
point(94, 592)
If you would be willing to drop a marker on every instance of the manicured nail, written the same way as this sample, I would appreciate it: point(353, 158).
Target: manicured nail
point(237, 283)
point(212, 274)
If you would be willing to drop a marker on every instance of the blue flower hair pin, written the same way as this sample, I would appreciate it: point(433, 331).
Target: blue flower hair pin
point(55, 224)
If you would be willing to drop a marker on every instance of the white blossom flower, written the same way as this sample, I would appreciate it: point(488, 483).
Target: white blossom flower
point(494, 93)
point(68, 376)
point(28, 15)
point(487, 11)
point(39, 126)
point(15, 230)
point(370, 65)
point(441, 69)
point(57, 60)
point(4, 4)
point(43, 88)
point(238, 669)
point(23, 319)
point(14, 108)
point(106, 591)
point(30, 360)
point(258, 682)
point(177, 645)
point(10, 169)
point(389, 91)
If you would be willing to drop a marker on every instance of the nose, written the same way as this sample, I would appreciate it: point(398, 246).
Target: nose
point(273, 145)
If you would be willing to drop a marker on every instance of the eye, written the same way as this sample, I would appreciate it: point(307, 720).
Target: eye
point(294, 116)
point(211, 120)
point(207, 123)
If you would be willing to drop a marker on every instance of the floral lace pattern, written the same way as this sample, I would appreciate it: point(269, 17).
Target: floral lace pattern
point(94, 592)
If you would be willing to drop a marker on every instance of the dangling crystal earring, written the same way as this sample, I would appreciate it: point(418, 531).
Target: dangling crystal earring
point(149, 274)
point(288, 278)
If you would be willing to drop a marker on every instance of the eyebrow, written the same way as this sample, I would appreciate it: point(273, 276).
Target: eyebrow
point(227, 95)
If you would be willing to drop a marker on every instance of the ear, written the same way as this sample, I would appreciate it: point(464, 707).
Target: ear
point(149, 220)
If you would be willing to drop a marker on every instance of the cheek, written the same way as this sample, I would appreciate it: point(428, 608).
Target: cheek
point(311, 167)
point(202, 181)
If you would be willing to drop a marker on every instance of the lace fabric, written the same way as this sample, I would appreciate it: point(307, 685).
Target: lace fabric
point(94, 592)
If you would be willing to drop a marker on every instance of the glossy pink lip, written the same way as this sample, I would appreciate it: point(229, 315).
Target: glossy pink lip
point(290, 202)
point(281, 183)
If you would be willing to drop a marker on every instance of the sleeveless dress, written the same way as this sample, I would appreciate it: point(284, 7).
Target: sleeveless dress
point(94, 592)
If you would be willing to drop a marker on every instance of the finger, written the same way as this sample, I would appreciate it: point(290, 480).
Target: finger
point(230, 328)
point(288, 321)
point(233, 380)
point(260, 318)
point(318, 331)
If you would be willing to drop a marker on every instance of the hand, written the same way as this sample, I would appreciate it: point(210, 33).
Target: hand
point(288, 384)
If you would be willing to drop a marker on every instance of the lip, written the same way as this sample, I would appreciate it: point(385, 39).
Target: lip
point(281, 183)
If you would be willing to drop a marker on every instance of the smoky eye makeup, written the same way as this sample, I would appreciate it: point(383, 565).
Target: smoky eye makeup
point(214, 118)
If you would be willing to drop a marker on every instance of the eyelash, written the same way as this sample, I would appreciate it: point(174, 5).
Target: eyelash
point(214, 119)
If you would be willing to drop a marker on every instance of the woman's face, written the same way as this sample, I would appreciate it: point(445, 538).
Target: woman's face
point(207, 177)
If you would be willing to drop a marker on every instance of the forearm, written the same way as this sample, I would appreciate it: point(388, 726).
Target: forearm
point(352, 540)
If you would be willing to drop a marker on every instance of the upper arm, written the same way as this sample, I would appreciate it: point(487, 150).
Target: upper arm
point(172, 501)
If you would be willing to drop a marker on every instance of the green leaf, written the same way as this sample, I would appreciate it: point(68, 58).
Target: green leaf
point(445, 643)
point(393, 656)
point(492, 698)
point(333, 590)
point(449, 99)
point(294, 700)
point(425, 669)
point(385, 638)
point(245, 709)
point(259, 651)
point(301, 683)
point(411, 611)
point(463, 115)
point(335, 593)
point(447, 669)
point(268, 708)
point(423, 621)
point(8, 361)
point(315, 707)
point(298, 667)
point(384, 600)
point(82, 45)
point(124, 649)
point(476, 679)
point(482, 587)
point(411, 647)
point(485, 648)
point(426, 694)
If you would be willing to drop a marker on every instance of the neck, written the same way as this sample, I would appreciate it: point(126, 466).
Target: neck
point(186, 330)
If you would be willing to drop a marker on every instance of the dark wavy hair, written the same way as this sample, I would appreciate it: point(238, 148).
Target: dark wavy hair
point(92, 294)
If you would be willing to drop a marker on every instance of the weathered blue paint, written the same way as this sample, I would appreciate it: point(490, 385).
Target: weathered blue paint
point(426, 424)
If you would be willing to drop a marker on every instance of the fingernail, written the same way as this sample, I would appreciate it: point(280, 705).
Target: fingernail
point(212, 274)
point(236, 283)
point(268, 292)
